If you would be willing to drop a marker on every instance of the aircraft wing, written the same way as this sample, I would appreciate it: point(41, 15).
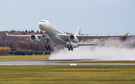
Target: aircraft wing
point(82, 37)
point(25, 36)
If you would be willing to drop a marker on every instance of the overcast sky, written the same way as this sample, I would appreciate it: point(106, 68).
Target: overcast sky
point(94, 16)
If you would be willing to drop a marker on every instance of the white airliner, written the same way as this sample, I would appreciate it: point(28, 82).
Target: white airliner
point(51, 33)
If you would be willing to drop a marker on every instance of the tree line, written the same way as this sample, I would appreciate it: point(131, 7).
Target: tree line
point(18, 51)
point(21, 32)
point(21, 45)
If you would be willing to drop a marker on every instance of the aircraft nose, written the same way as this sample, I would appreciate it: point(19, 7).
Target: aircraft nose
point(40, 25)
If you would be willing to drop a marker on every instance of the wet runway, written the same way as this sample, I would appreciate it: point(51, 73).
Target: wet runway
point(59, 62)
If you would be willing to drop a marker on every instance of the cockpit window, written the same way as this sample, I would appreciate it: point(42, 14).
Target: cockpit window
point(42, 21)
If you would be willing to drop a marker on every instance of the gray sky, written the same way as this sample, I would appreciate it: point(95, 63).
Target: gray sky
point(94, 16)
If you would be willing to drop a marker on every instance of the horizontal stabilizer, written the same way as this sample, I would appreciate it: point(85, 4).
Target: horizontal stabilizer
point(87, 44)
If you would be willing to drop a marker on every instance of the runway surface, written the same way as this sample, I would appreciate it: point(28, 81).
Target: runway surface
point(59, 62)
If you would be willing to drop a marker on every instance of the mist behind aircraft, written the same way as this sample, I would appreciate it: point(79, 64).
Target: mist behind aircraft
point(110, 49)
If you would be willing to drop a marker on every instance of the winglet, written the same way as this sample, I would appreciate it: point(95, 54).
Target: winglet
point(126, 34)
point(6, 33)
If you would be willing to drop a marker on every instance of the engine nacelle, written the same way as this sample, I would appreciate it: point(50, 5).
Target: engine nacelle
point(74, 45)
point(34, 38)
point(73, 38)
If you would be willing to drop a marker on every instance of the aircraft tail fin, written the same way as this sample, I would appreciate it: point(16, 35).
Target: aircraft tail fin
point(78, 31)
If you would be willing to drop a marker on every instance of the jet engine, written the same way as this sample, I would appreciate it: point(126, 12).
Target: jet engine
point(73, 38)
point(74, 45)
point(34, 38)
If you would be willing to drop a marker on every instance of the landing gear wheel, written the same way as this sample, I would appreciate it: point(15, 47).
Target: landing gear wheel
point(47, 47)
point(69, 47)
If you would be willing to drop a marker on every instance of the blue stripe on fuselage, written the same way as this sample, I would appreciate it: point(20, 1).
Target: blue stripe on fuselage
point(58, 32)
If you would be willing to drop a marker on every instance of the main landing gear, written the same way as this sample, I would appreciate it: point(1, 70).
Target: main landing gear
point(47, 47)
point(70, 47)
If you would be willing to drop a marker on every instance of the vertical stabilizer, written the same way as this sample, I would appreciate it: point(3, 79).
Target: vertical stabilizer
point(78, 31)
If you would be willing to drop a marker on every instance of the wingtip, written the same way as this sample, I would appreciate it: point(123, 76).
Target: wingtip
point(126, 34)
point(6, 33)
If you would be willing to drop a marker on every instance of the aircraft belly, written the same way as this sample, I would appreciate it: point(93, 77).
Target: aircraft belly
point(53, 35)
point(56, 39)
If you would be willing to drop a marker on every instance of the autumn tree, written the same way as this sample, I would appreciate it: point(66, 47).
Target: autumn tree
point(5, 50)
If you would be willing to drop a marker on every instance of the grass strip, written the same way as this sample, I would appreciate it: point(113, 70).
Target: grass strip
point(24, 57)
point(55, 74)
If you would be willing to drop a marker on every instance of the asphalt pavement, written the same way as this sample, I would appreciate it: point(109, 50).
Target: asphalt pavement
point(60, 62)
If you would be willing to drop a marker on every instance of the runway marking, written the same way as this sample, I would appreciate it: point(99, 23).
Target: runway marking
point(73, 64)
